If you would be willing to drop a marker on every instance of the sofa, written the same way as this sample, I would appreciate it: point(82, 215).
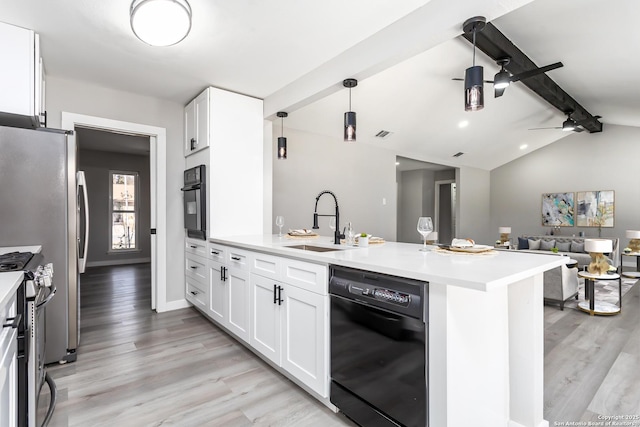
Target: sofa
point(560, 284)
point(568, 246)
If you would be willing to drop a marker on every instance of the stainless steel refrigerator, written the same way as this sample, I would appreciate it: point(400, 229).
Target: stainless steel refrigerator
point(42, 202)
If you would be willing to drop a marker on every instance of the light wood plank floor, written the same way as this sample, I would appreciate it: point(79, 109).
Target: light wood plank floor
point(138, 368)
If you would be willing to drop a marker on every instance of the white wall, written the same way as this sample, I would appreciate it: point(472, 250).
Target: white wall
point(579, 162)
point(360, 176)
point(83, 98)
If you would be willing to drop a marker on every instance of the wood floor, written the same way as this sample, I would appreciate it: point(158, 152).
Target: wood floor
point(138, 368)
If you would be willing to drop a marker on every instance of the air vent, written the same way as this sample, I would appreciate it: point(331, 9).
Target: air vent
point(383, 134)
point(458, 154)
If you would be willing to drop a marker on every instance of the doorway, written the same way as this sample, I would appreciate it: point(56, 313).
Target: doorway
point(157, 193)
point(445, 210)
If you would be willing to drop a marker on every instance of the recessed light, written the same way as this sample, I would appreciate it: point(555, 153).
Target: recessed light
point(397, 163)
point(463, 124)
point(524, 146)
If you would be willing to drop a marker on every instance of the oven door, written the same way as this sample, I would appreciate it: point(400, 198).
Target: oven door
point(194, 211)
point(379, 358)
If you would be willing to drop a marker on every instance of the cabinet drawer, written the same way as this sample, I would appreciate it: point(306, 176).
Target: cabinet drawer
point(196, 293)
point(217, 252)
point(238, 258)
point(305, 275)
point(196, 267)
point(266, 265)
point(196, 247)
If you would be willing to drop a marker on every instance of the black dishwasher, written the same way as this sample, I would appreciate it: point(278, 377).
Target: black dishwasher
point(378, 347)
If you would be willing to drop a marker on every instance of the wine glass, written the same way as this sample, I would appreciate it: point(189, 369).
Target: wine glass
point(280, 223)
point(425, 227)
point(332, 225)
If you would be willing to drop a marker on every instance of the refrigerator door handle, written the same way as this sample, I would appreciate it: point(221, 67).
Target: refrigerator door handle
point(83, 183)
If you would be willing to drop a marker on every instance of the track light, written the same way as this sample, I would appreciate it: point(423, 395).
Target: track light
point(282, 141)
point(473, 76)
point(502, 79)
point(350, 116)
point(568, 125)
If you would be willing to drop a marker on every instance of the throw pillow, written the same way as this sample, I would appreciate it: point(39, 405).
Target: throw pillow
point(563, 246)
point(577, 247)
point(546, 245)
point(523, 243)
point(534, 245)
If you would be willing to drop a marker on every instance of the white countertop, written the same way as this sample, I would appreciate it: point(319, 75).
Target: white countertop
point(481, 272)
point(10, 281)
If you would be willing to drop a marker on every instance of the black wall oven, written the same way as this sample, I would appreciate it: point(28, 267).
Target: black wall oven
point(195, 202)
point(379, 348)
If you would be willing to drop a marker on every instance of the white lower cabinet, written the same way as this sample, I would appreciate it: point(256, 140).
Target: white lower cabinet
point(238, 300)
point(8, 367)
point(289, 327)
point(217, 290)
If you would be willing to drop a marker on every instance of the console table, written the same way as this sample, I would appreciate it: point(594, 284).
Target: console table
point(601, 308)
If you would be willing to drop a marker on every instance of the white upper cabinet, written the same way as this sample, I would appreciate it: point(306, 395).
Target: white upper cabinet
point(196, 124)
point(22, 72)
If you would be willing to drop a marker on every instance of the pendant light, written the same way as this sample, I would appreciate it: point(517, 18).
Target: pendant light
point(350, 116)
point(282, 141)
point(160, 22)
point(473, 76)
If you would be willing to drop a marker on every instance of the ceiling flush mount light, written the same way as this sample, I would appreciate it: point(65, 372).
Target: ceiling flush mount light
point(473, 76)
point(463, 124)
point(160, 22)
point(350, 116)
point(282, 141)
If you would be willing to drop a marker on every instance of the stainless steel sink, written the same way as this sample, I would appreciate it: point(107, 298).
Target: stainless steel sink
point(313, 248)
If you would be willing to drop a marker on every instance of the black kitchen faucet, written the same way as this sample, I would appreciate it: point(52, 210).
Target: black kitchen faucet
point(337, 234)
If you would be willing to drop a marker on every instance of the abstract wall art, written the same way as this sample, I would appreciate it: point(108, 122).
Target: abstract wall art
point(595, 208)
point(557, 210)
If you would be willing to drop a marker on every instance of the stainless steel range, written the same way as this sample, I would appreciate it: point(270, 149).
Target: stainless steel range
point(36, 291)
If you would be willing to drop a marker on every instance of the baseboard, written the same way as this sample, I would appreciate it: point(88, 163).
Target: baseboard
point(118, 262)
point(176, 305)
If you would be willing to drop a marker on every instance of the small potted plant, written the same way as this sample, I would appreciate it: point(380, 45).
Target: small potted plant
point(363, 239)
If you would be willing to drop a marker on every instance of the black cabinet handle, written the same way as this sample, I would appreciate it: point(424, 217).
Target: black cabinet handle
point(14, 322)
point(223, 271)
point(235, 258)
point(280, 288)
point(192, 246)
point(215, 253)
point(194, 293)
point(193, 143)
point(194, 267)
point(275, 298)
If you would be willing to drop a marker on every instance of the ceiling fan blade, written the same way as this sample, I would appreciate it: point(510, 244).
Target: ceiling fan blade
point(558, 127)
point(531, 73)
point(458, 79)
point(498, 92)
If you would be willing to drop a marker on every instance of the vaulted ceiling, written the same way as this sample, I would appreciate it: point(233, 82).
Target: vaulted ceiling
point(295, 54)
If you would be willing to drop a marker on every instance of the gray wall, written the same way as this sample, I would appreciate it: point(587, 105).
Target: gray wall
point(416, 190)
point(97, 165)
point(473, 208)
point(360, 176)
point(579, 162)
point(83, 98)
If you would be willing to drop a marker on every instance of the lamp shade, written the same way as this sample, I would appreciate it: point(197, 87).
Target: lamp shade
point(504, 230)
point(633, 234)
point(600, 246)
point(473, 88)
point(160, 22)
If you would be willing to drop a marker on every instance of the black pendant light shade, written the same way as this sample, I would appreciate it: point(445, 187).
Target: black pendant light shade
point(473, 88)
point(473, 76)
point(350, 116)
point(282, 141)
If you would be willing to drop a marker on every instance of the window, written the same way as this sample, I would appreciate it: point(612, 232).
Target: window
point(124, 210)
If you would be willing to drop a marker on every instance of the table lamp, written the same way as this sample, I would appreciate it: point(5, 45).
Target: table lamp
point(504, 234)
point(634, 243)
point(597, 248)
point(432, 238)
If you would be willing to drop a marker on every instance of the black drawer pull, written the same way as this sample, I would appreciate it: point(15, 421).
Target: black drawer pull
point(14, 322)
point(236, 258)
point(194, 267)
point(215, 253)
point(194, 293)
point(192, 246)
point(275, 298)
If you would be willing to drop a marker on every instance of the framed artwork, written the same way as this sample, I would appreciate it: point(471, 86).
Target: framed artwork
point(595, 208)
point(557, 210)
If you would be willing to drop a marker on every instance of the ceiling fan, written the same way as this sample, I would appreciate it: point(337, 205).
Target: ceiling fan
point(503, 78)
point(568, 125)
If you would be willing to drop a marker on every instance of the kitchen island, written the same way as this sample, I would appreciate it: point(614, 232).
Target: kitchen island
point(485, 323)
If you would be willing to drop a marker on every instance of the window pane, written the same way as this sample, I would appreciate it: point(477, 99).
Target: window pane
point(124, 192)
point(123, 231)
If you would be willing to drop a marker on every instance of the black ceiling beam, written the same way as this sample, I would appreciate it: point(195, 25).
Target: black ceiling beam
point(496, 45)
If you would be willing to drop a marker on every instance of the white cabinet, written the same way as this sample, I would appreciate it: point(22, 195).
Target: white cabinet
point(196, 124)
point(289, 322)
point(22, 72)
point(238, 294)
point(225, 132)
point(196, 277)
point(8, 367)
